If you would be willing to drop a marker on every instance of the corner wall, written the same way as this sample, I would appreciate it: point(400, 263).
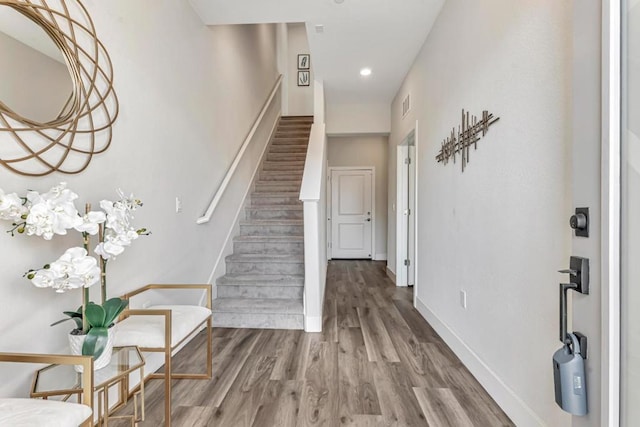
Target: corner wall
point(188, 98)
point(498, 230)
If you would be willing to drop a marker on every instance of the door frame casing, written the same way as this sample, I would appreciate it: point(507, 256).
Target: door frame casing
point(330, 169)
point(611, 211)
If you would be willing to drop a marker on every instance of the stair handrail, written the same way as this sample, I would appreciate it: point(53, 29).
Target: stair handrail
point(236, 161)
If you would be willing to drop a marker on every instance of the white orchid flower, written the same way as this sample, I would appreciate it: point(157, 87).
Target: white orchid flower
point(74, 269)
point(44, 278)
point(108, 250)
point(11, 207)
point(90, 222)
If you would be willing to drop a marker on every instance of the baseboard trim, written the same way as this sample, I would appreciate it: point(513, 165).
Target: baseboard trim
point(380, 257)
point(391, 275)
point(312, 324)
point(521, 414)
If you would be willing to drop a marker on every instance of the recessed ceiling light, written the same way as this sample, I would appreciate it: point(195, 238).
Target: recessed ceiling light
point(365, 72)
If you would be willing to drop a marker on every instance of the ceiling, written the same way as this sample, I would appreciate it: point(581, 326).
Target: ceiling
point(384, 35)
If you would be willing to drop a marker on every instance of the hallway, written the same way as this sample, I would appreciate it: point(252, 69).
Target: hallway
point(376, 363)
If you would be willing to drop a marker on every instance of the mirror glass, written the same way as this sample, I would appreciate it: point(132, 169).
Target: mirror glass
point(36, 83)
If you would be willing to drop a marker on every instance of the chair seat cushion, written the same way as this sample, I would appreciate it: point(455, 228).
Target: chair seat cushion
point(148, 331)
point(42, 413)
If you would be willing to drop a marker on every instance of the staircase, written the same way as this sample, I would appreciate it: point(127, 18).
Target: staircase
point(264, 284)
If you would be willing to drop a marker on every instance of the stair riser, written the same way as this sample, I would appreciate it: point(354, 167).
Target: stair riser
point(270, 201)
point(288, 149)
point(280, 176)
point(286, 157)
point(271, 230)
point(293, 132)
point(258, 321)
point(284, 166)
point(303, 142)
point(273, 214)
point(234, 267)
point(267, 292)
point(277, 188)
point(273, 248)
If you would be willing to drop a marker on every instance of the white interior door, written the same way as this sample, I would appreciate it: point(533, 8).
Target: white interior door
point(411, 216)
point(406, 212)
point(351, 213)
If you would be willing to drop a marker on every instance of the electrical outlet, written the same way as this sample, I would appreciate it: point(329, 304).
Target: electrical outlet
point(463, 299)
point(178, 205)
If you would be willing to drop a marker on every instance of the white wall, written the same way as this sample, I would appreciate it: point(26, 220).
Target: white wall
point(32, 84)
point(367, 151)
point(300, 97)
point(498, 230)
point(188, 97)
point(350, 119)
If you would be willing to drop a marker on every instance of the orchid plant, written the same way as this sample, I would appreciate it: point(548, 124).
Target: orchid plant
point(54, 213)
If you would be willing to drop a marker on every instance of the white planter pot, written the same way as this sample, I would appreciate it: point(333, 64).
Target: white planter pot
point(76, 342)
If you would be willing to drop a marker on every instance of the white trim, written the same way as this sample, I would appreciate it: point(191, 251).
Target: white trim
point(521, 414)
point(392, 275)
point(312, 324)
point(330, 170)
point(227, 247)
point(236, 161)
point(611, 211)
point(380, 257)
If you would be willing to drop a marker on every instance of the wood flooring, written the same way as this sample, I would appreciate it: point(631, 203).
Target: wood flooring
point(376, 363)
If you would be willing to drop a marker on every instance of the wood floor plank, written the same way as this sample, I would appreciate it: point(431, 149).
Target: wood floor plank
point(376, 338)
point(398, 402)
point(441, 407)
point(191, 415)
point(319, 401)
point(357, 388)
point(479, 406)
point(241, 403)
point(280, 405)
point(286, 356)
point(408, 348)
point(420, 328)
point(330, 322)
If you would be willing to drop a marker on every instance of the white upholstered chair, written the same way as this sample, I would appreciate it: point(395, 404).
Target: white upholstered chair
point(164, 328)
point(25, 412)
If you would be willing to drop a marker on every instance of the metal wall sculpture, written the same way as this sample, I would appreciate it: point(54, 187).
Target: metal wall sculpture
point(468, 134)
point(83, 127)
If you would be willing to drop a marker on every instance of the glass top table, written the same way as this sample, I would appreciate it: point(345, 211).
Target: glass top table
point(63, 380)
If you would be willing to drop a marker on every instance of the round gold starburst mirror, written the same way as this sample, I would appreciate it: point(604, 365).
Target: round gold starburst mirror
point(57, 101)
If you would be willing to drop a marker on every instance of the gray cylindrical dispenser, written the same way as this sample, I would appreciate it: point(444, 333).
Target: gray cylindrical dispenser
point(569, 377)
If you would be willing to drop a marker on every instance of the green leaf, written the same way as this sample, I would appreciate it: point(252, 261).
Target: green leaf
point(76, 316)
point(113, 307)
point(95, 342)
point(95, 315)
